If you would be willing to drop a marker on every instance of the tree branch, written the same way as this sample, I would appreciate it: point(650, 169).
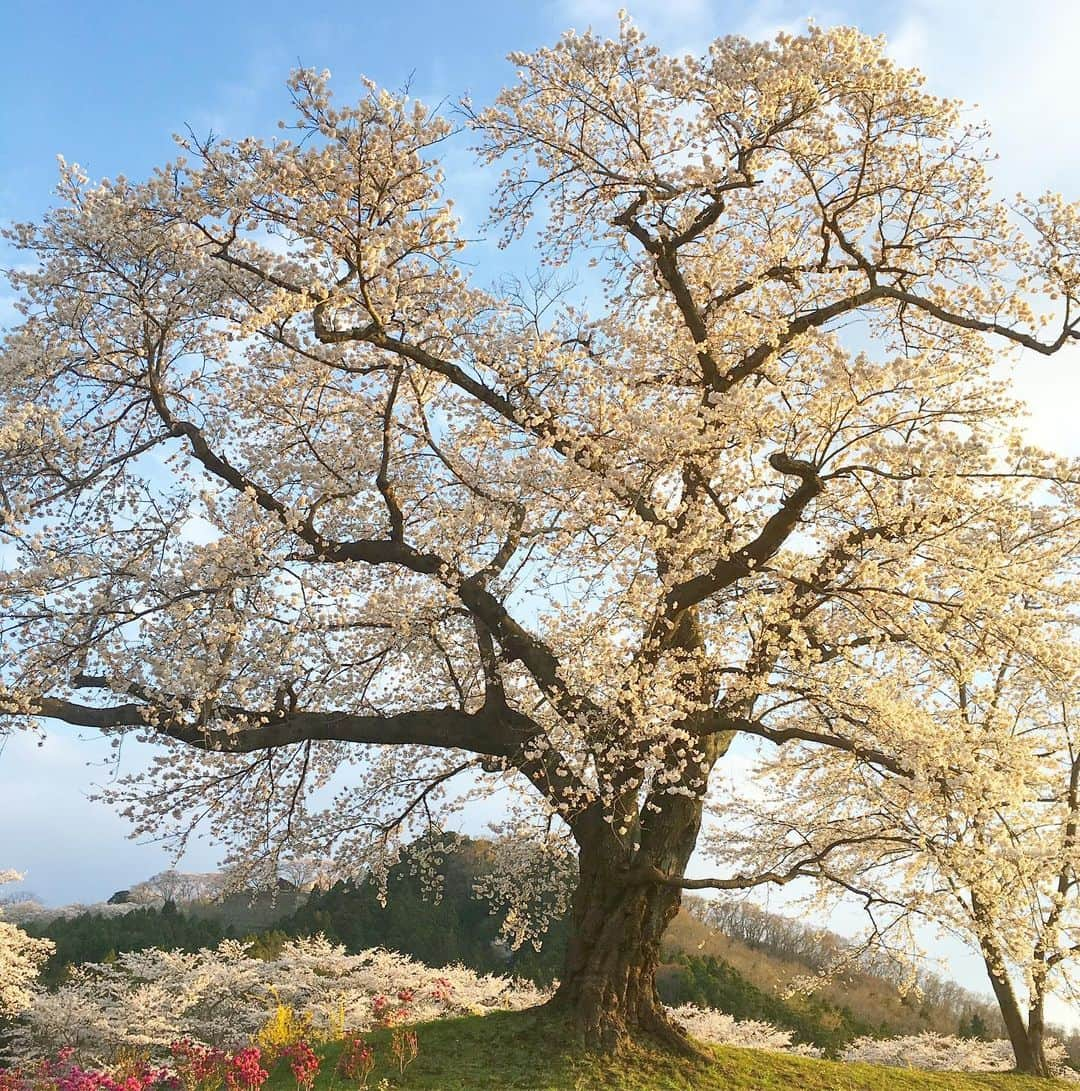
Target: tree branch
point(772, 536)
point(493, 730)
point(802, 869)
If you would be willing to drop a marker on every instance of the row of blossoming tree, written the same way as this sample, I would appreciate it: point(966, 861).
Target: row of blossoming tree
point(172, 1012)
point(296, 493)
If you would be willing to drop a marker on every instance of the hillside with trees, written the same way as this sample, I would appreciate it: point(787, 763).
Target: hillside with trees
point(722, 954)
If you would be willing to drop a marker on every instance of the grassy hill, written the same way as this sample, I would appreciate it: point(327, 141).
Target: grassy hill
point(882, 1010)
point(528, 1052)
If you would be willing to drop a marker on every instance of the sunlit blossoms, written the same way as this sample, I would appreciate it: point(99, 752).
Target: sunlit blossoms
point(62, 1073)
point(939, 1052)
point(710, 1025)
point(223, 998)
point(976, 832)
point(21, 959)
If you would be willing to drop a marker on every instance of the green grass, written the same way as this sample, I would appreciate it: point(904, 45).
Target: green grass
point(529, 1052)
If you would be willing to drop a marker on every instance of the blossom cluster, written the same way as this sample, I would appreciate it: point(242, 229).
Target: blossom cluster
point(356, 1060)
point(718, 1028)
point(62, 1073)
point(928, 1051)
point(304, 1064)
point(191, 1066)
point(940, 1052)
point(21, 958)
point(224, 998)
point(244, 1071)
point(197, 1067)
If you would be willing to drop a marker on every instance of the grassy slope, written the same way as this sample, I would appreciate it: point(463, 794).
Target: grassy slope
point(523, 1051)
point(875, 1001)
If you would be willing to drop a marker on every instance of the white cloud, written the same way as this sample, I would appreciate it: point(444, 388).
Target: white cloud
point(682, 25)
point(689, 25)
point(603, 14)
point(1016, 64)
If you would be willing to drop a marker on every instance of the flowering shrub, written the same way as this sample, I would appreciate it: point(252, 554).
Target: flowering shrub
point(405, 1048)
point(62, 1073)
point(223, 998)
point(710, 1025)
point(387, 1013)
point(284, 1029)
point(197, 1067)
point(80, 1079)
point(304, 1064)
point(244, 1072)
point(356, 1061)
point(939, 1052)
point(934, 1052)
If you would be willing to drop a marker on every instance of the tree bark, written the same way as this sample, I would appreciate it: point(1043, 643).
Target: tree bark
point(1025, 1036)
point(608, 988)
point(1036, 1035)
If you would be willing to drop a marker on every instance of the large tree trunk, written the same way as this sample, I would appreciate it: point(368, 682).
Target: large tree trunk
point(608, 987)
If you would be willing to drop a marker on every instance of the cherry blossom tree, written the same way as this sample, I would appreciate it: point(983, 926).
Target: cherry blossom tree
point(178, 886)
point(975, 832)
point(21, 959)
point(308, 872)
point(360, 536)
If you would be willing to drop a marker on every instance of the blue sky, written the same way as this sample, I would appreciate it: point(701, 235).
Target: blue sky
point(106, 83)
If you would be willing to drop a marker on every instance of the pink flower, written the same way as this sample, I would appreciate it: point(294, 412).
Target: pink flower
point(244, 1072)
point(357, 1060)
point(304, 1064)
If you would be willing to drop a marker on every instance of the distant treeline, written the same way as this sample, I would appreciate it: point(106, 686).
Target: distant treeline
point(458, 927)
point(710, 982)
point(772, 949)
point(94, 937)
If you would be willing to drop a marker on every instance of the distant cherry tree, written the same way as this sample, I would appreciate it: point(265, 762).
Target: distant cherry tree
point(21, 960)
point(976, 830)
